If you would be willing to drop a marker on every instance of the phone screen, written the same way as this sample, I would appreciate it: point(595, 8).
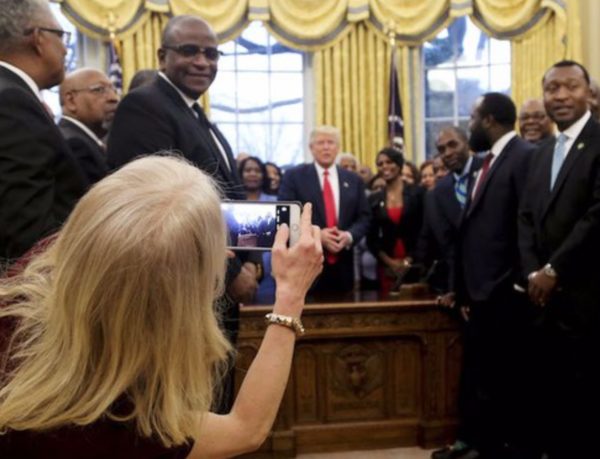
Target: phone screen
point(252, 225)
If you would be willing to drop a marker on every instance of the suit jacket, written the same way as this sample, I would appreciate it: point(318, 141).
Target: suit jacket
point(302, 184)
point(487, 251)
point(91, 157)
point(562, 226)
point(383, 232)
point(40, 180)
point(155, 118)
point(440, 227)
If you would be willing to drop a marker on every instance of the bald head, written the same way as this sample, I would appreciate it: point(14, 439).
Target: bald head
point(88, 96)
point(188, 55)
point(534, 124)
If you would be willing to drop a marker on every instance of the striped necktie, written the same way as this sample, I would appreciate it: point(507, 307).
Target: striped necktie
point(460, 188)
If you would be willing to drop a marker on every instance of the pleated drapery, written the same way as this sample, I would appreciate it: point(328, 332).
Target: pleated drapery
point(350, 39)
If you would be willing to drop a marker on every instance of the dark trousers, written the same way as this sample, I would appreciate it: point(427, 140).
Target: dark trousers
point(335, 278)
point(496, 384)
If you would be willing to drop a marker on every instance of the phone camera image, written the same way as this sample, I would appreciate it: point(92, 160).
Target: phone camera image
point(252, 226)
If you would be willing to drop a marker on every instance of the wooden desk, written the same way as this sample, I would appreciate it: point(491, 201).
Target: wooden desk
point(370, 374)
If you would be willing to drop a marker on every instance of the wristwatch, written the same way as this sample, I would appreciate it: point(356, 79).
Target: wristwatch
point(549, 271)
point(290, 322)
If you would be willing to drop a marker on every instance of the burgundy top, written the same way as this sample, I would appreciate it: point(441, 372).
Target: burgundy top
point(104, 439)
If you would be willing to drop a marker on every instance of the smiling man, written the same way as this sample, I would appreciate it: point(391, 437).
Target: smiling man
point(559, 241)
point(534, 124)
point(165, 115)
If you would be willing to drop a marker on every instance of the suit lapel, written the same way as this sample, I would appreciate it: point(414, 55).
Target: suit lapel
point(489, 177)
point(312, 178)
point(579, 147)
point(344, 186)
point(450, 205)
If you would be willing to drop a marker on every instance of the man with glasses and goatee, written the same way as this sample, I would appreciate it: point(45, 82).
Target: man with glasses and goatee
point(165, 115)
point(40, 181)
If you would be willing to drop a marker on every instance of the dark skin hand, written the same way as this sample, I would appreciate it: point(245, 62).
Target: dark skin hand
point(448, 300)
point(540, 288)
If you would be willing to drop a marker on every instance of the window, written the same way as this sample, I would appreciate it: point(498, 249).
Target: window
point(257, 98)
point(51, 95)
point(460, 64)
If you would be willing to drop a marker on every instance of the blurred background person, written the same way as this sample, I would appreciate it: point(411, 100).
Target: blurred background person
point(439, 168)
point(427, 175)
point(274, 175)
point(89, 101)
point(534, 124)
point(254, 178)
point(348, 161)
point(142, 78)
point(397, 213)
point(410, 173)
point(111, 345)
point(365, 174)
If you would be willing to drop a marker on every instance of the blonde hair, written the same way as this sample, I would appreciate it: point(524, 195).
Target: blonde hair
point(326, 130)
point(121, 305)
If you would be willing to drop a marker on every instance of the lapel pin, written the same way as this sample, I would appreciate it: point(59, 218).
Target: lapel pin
point(580, 145)
point(346, 185)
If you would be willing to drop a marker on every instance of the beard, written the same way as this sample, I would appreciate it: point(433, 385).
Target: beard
point(478, 140)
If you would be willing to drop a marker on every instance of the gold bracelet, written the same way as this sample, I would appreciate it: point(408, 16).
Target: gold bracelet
point(286, 321)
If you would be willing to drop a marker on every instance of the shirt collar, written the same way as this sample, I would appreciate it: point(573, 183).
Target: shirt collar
point(502, 142)
point(465, 169)
point(85, 129)
point(26, 78)
point(573, 131)
point(188, 100)
point(320, 169)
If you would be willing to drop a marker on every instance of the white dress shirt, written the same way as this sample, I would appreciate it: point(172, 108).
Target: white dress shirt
point(496, 150)
point(573, 131)
point(26, 78)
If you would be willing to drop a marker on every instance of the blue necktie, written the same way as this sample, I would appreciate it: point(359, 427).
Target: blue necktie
point(558, 157)
point(460, 189)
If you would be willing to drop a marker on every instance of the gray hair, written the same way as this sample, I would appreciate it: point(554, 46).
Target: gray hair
point(347, 155)
point(15, 18)
point(328, 130)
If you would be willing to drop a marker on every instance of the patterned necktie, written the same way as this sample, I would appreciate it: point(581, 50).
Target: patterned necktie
point(460, 189)
point(558, 157)
point(484, 171)
point(330, 217)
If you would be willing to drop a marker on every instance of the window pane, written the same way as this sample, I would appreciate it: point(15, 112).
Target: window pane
point(285, 86)
point(286, 144)
point(500, 51)
point(500, 78)
point(254, 139)
point(439, 97)
point(291, 111)
point(472, 83)
point(286, 61)
point(229, 131)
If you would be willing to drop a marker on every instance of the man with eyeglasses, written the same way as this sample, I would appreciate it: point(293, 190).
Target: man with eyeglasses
point(165, 115)
point(89, 101)
point(534, 124)
point(40, 180)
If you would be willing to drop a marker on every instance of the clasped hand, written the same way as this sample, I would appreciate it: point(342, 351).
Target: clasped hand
point(334, 240)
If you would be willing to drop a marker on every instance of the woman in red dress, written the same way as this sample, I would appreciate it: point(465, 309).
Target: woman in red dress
point(397, 216)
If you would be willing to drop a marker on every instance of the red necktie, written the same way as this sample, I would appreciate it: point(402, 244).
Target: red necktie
point(484, 171)
point(330, 218)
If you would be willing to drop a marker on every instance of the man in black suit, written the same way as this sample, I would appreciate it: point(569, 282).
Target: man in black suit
point(40, 181)
point(444, 205)
point(165, 115)
point(89, 101)
point(340, 205)
point(486, 272)
point(559, 237)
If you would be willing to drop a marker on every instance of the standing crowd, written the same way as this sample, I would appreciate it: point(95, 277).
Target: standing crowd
point(119, 303)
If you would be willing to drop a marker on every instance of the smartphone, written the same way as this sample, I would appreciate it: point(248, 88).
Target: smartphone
point(252, 224)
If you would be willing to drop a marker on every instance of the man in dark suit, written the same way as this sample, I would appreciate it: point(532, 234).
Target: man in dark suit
point(165, 115)
point(340, 203)
point(444, 205)
point(89, 101)
point(40, 181)
point(559, 236)
point(486, 272)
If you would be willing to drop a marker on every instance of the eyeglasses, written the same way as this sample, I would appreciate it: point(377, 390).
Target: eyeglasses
point(98, 89)
point(190, 50)
point(64, 35)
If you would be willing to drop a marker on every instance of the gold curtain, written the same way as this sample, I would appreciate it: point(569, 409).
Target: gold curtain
point(557, 38)
point(349, 78)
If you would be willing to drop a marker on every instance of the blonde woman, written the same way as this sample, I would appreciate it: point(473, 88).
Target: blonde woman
point(111, 344)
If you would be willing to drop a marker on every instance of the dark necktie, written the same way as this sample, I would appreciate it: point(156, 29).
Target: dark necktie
point(205, 123)
point(330, 218)
point(483, 174)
